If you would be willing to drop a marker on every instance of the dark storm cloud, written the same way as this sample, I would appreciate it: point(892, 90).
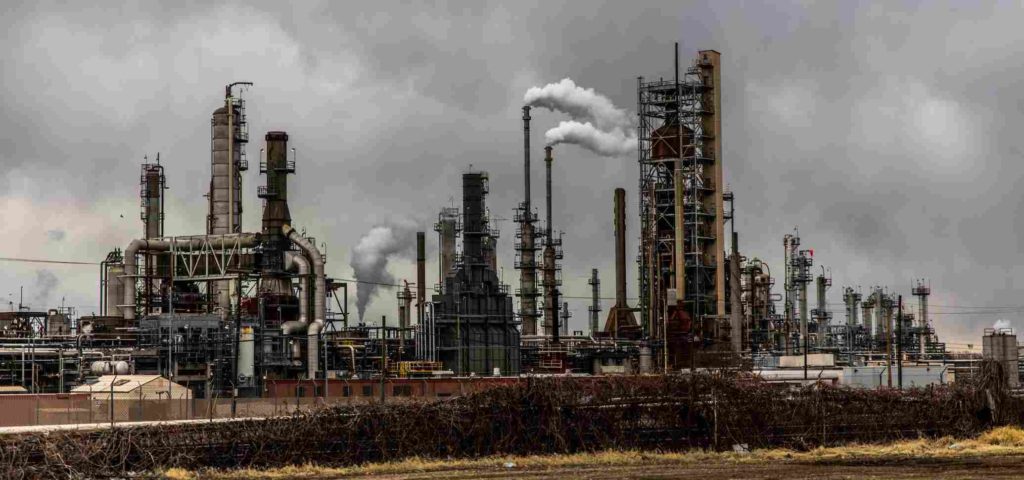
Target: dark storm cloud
point(888, 133)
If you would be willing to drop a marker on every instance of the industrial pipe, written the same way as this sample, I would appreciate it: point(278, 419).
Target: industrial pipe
point(245, 240)
point(319, 297)
point(294, 261)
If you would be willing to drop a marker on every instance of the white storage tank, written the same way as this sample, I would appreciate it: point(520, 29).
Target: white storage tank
point(246, 355)
point(1000, 345)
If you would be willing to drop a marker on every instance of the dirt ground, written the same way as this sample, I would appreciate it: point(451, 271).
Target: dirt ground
point(1003, 467)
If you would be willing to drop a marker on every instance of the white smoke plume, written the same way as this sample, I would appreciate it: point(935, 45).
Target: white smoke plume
point(612, 143)
point(597, 124)
point(1002, 324)
point(580, 104)
point(371, 255)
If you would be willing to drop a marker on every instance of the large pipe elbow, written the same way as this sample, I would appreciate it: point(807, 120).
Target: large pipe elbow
point(297, 262)
point(319, 296)
point(130, 271)
point(317, 263)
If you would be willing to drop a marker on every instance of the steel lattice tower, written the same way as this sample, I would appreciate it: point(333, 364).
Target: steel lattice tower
point(681, 201)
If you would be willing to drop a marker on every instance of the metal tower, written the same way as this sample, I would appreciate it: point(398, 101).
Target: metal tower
point(526, 243)
point(682, 259)
point(922, 290)
point(595, 301)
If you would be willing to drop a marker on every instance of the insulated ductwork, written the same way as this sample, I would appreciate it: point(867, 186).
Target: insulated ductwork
point(319, 297)
point(297, 262)
point(240, 240)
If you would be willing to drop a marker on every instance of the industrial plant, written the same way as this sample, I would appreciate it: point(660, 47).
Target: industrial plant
point(240, 310)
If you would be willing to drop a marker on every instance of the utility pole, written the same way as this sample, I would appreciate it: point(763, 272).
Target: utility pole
point(899, 342)
point(887, 317)
point(383, 354)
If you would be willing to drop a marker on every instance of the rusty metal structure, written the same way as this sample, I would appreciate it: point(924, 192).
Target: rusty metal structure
point(621, 322)
point(682, 258)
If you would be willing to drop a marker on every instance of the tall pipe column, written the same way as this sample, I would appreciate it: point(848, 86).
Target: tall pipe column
point(527, 253)
point(922, 290)
point(421, 275)
point(736, 332)
point(620, 315)
point(595, 302)
point(548, 266)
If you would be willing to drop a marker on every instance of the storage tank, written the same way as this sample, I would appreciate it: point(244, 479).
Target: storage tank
point(1001, 346)
point(246, 355)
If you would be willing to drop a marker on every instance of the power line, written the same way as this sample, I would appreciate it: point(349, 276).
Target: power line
point(35, 260)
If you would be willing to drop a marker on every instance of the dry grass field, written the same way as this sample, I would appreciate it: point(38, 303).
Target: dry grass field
point(998, 453)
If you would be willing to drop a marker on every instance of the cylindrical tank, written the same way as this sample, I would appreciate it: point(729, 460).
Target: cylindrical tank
point(114, 290)
point(645, 359)
point(246, 354)
point(1001, 346)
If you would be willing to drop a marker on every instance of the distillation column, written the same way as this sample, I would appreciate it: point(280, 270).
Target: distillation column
point(229, 135)
point(526, 237)
point(595, 301)
point(153, 184)
point(922, 290)
point(550, 256)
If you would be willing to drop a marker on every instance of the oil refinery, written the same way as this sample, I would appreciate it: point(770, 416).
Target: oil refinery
point(238, 310)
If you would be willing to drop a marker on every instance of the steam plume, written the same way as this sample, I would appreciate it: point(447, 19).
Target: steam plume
point(597, 124)
point(371, 255)
point(580, 104)
point(612, 143)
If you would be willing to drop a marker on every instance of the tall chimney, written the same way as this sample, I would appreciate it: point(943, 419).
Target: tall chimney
point(736, 304)
point(620, 247)
point(526, 157)
point(421, 274)
point(527, 251)
point(547, 167)
point(548, 257)
point(595, 305)
point(620, 316)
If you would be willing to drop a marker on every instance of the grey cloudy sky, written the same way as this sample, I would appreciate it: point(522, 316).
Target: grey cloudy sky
point(888, 132)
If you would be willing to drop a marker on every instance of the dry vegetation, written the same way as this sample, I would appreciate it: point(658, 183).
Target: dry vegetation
point(1001, 441)
point(556, 416)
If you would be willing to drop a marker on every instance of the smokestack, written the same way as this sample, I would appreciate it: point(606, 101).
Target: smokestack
point(620, 315)
point(736, 304)
point(421, 274)
point(526, 157)
point(595, 305)
point(547, 167)
point(548, 266)
point(527, 251)
point(620, 247)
